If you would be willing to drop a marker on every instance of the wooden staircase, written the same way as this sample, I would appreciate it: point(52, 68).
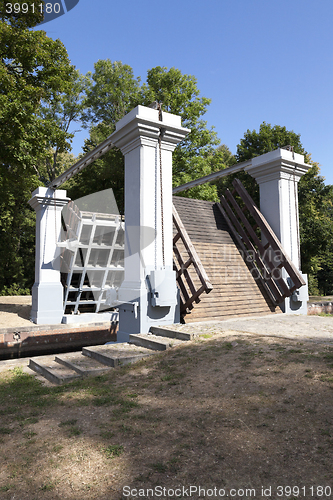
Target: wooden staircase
point(234, 291)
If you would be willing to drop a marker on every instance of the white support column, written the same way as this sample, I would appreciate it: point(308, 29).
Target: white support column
point(137, 135)
point(47, 291)
point(278, 173)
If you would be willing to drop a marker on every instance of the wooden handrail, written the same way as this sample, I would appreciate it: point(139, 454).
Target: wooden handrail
point(189, 293)
point(257, 255)
point(190, 249)
point(268, 233)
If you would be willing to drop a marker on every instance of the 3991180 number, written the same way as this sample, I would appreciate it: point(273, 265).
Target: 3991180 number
point(303, 491)
point(24, 8)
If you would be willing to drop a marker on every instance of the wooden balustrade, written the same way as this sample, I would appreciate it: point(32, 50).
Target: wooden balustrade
point(266, 261)
point(186, 258)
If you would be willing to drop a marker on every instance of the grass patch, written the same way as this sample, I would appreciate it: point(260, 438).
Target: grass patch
point(327, 378)
point(114, 450)
point(154, 434)
point(57, 448)
point(159, 467)
point(74, 431)
point(68, 422)
point(106, 434)
point(29, 434)
point(5, 430)
point(47, 487)
point(19, 389)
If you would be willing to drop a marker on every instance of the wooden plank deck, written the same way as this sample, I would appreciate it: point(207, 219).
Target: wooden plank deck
point(235, 292)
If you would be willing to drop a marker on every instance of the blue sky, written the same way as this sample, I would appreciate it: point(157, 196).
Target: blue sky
point(258, 60)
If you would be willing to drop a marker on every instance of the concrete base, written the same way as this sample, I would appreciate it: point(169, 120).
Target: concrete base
point(104, 317)
point(47, 303)
point(153, 316)
point(292, 306)
point(140, 317)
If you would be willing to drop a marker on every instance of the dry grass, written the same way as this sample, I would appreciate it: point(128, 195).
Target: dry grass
point(236, 412)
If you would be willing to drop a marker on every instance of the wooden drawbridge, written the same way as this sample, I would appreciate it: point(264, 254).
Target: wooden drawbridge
point(217, 250)
point(225, 266)
point(234, 291)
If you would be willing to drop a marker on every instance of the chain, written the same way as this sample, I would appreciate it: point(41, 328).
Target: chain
point(159, 107)
point(156, 161)
point(55, 217)
point(47, 212)
point(47, 208)
point(290, 221)
point(297, 220)
point(161, 188)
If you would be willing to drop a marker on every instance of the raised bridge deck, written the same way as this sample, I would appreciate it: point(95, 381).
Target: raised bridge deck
point(235, 292)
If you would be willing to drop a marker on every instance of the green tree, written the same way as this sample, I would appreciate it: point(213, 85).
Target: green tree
point(255, 144)
point(113, 92)
point(267, 139)
point(104, 173)
point(59, 114)
point(34, 69)
point(196, 155)
point(316, 229)
point(315, 200)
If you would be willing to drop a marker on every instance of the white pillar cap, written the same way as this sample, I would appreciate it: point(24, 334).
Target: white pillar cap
point(142, 126)
point(44, 196)
point(278, 164)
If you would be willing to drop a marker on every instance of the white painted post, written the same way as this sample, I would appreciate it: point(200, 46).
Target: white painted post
point(137, 135)
point(278, 173)
point(47, 291)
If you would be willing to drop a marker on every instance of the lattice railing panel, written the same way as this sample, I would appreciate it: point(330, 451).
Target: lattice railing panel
point(94, 262)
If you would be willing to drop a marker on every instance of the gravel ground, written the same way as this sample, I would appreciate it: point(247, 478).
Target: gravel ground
point(287, 326)
point(15, 311)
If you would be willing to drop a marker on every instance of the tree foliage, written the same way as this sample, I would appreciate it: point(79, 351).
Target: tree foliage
point(113, 92)
point(267, 139)
point(60, 113)
point(316, 229)
point(196, 155)
point(34, 70)
point(315, 201)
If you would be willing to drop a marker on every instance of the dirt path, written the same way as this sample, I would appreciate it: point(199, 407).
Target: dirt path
point(233, 411)
point(317, 328)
